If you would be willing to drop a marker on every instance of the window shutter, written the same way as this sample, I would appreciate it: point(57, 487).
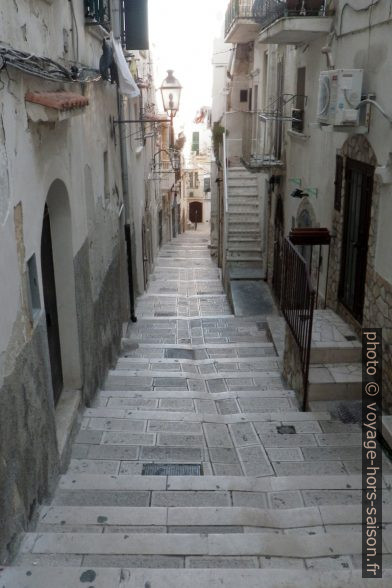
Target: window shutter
point(136, 24)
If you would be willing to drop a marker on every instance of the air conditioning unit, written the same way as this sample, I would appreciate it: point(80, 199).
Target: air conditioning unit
point(340, 92)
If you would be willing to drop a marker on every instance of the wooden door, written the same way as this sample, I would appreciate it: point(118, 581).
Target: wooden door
point(357, 208)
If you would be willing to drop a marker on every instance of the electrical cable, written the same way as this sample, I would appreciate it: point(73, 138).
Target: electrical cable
point(355, 9)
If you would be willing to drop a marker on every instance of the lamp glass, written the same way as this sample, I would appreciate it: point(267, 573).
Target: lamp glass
point(171, 93)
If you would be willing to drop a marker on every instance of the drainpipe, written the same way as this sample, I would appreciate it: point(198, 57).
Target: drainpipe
point(127, 226)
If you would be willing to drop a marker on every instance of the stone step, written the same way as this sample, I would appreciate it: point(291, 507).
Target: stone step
point(283, 416)
point(243, 199)
point(245, 256)
point(190, 544)
point(335, 382)
point(241, 246)
point(234, 516)
point(243, 226)
point(96, 517)
point(214, 484)
point(39, 576)
point(335, 354)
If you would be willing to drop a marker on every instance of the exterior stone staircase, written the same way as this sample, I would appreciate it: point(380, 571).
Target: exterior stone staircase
point(279, 501)
point(244, 234)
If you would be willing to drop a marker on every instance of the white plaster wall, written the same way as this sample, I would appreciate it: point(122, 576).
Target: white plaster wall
point(37, 154)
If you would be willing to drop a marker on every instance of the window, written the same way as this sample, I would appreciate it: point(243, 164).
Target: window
point(243, 95)
point(299, 110)
point(97, 12)
point(196, 142)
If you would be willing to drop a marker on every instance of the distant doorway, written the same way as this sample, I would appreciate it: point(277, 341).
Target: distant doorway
point(196, 212)
point(50, 299)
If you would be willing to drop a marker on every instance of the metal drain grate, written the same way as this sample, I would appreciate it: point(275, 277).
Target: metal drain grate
point(171, 469)
point(286, 430)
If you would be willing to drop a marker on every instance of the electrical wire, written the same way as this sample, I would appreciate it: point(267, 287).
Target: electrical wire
point(46, 68)
point(355, 9)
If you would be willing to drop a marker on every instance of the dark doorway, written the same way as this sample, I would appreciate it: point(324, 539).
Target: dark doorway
point(196, 212)
point(50, 300)
point(174, 221)
point(145, 255)
point(179, 219)
point(357, 207)
point(278, 249)
point(160, 227)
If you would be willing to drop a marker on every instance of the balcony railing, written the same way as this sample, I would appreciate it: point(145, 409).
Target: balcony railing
point(265, 12)
point(238, 9)
point(97, 12)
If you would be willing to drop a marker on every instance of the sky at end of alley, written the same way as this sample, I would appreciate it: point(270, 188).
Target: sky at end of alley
point(181, 38)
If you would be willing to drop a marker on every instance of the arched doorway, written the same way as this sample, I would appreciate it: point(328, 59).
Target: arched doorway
point(50, 301)
point(196, 212)
point(58, 282)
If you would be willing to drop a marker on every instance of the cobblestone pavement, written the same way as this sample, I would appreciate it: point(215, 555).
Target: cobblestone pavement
point(278, 501)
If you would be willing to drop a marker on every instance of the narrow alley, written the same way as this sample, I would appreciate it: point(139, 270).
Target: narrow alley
point(194, 464)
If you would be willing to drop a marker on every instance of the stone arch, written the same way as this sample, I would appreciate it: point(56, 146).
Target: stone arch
point(59, 210)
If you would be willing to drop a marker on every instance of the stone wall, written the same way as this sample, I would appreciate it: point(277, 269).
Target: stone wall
point(378, 292)
point(28, 446)
point(292, 372)
point(99, 321)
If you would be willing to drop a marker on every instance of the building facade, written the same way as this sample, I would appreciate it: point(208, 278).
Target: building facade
point(311, 81)
point(72, 179)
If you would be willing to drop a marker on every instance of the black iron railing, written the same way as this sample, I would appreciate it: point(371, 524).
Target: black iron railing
point(97, 12)
point(268, 11)
point(237, 9)
point(297, 303)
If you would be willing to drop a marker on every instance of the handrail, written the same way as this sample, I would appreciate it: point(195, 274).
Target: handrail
point(266, 12)
point(225, 188)
point(297, 303)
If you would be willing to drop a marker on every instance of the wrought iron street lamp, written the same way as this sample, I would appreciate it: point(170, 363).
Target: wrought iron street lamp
point(171, 94)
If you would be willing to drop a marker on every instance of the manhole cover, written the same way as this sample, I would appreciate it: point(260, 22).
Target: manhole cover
point(173, 353)
point(171, 469)
point(286, 430)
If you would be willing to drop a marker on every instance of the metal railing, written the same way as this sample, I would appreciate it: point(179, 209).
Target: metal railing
point(266, 12)
point(297, 303)
point(97, 12)
point(237, 9)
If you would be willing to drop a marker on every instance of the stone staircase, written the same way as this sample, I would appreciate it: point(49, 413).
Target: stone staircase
point(244, 237)
point(278, 503)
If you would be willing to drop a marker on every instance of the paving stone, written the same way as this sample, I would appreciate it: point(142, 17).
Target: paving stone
point(265, 404)
point(174, 440)
point(281, 563)
point(206, 407)
point(196, 385)
point(79, 451)
point(289, 499)
point(309, 468)
point(254, 461)
point(227, 469)
point(118, 452)
point(133, 561)
point(102, 424)
point(205, 529)
point(171, 454)
point(228, 406)
point(88, 437)
point(127, 438)
point(284, 454)
point(102, 466)
point(101, 498)
point(296, 440)
point(321, 497)
point(171, 382)
point(190, 498)
point(175, 427)
point(221, 562)
point(250, 499)
point(216, 386)
point(331, 453)
point(328, 563)
point(217, 435)
point(178, 404)
point(243, 434)
point(223, 455)
point(341, 439)
point(145, 403)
